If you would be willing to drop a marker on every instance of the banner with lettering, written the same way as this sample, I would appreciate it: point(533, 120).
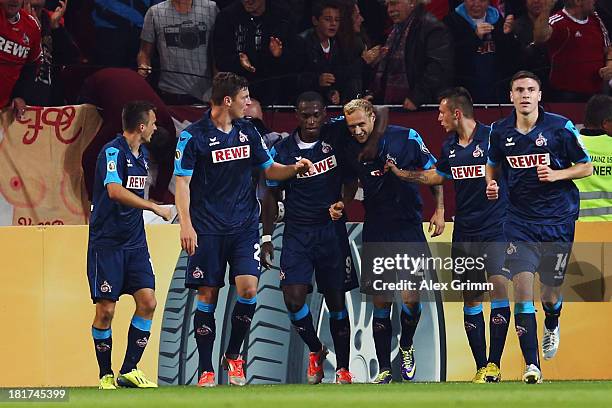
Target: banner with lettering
point(41, 177)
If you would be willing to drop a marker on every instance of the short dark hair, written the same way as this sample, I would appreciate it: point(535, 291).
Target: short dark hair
point(598, 109)
point(319, 6)
point(227, 84)
point(135, 113)
point(459, 98)
point(309, 96)
point(523, 75)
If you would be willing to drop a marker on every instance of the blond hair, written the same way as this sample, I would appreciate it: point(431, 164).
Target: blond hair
point(356, 104)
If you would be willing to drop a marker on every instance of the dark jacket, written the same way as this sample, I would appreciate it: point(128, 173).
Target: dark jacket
point(315, 63)
point(482, 65)
point(429, 58)
point(237, 31)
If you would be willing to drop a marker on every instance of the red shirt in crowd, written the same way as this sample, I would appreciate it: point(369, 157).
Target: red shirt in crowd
point(577, 53)
point(19, 44)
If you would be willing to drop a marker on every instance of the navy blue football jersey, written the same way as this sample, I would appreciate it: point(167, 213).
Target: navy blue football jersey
point(222, 192)
point(308, 196)
point(555, 142)
point(387, 199)
point(113, 224)
point(465, 165)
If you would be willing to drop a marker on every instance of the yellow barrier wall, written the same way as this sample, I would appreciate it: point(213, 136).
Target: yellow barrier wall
point(46, 313)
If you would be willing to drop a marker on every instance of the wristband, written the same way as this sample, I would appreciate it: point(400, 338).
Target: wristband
point(266, 238)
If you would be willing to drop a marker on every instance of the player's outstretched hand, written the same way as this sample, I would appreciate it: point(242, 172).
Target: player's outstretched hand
point(436, 223)
point(303, 166)
point(546, 174)
point(492, 190)
point(335, 210)
point(266, 255)
point(189, 240)
point(164, 212)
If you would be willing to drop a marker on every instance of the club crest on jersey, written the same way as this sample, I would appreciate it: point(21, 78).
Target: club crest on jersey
point(541, 140)
point(25, 39)
point(325, 147)
point(509, 141)
point(478, 152)
point(321, 167)
point(213, 141)
point(197, 273)
point(511, 249)
point(111, 166)
point(391, 159)
point(231, 154)
point(105, 287)
point(242, 137)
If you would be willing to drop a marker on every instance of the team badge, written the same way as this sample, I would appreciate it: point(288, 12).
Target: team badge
point(499, 319)
point(142, 343)
point(478, 152)
point(203, 330)
point(520, 330)
point(541, 141)
point(25, 39)
point(243, 137)
point(111, 166)
point(469, 326)
point(325, 148)
point(102, 347)
point(197, 273)
point(105, 287)
point(511, 249)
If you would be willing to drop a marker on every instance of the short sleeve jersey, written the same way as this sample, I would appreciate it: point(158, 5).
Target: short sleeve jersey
point(465, 165)
point(220, 166)
point(309, 196)
point(554, 142)
point(387, 199)
point(113, 224)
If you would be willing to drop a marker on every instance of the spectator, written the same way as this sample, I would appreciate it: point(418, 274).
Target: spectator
point(254, 39)
point(579, 50)
point(416, 64)
point(323, 69)
point(604, 10)
point(532, 57)
point(596, 190)
point(483, 49)
point(354, 44)
point(117, 25)
point(58, 50)
point(181, 31)
point(110, 89)
point(20, 36)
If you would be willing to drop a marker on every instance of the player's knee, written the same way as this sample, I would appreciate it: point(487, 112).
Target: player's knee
point(147, 306)
point(293, 306)
point(105, 313)
point(248, 293)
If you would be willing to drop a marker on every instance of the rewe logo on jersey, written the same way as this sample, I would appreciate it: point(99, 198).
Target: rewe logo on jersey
point(15, 49)
point(231, 153)
point(321, 167)
point(529, 160)
point(136, 182)
point(467, 172)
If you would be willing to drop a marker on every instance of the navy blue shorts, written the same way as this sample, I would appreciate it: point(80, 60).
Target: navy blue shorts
point(488, 251)
point(539, 248)
point(113, 272)
point(322, 249)
point(214, 252)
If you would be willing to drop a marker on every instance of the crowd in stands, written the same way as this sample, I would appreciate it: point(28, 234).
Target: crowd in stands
point(401, 52)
